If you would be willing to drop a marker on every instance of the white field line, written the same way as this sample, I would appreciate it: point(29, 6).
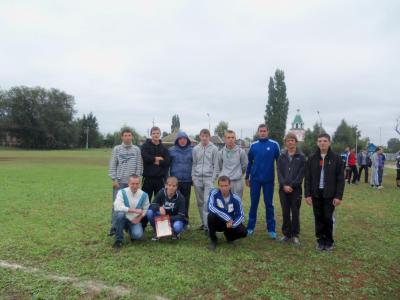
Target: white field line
point(91, 286)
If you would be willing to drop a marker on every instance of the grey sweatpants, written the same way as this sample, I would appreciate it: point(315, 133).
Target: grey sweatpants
point(237, 187)
point(202, 187)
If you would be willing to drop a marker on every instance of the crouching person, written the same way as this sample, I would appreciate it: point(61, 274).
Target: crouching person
point(225, 213)
point(169, 201)
point(130, 206)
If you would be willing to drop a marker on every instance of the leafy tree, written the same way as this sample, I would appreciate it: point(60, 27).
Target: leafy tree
point(277, 107)
point(309, 145)
point(164, 134)
point(393, 145)
point(345, 136)
point(89, 127)
point(176, 124)
point(221, 128)
point(39, 118)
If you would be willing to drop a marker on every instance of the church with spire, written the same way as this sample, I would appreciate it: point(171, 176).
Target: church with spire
point(298, 127)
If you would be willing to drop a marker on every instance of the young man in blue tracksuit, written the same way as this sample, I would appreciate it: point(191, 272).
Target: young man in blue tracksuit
point(260, 173)
point(225, 213)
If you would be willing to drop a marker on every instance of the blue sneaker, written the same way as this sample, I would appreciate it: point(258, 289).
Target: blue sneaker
point(250, 232)
point(272, 235)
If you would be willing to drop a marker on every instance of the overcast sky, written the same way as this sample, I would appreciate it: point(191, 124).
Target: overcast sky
point(130, 62)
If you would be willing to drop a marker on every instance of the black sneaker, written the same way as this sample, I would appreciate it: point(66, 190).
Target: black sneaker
point(319, 247)
point(117, 245)
point(112, 232)
point(212, 246)
point(201, 227)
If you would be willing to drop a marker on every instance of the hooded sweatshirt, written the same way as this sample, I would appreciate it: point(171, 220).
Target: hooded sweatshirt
point(181, 159)
point(205, 161)
point(232, 162)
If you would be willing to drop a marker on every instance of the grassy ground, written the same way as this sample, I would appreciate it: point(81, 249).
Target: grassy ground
point(55, 210)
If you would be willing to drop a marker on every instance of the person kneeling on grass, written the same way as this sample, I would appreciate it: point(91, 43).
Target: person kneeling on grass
point(225, 213)
point(169, 201)
point(130, 206)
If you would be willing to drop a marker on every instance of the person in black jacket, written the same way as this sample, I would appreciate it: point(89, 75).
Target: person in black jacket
point(323, 189)
point(156, 162)
point(169, 201)
point(291, 164)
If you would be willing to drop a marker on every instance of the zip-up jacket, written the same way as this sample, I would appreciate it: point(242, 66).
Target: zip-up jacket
point(205, 161)
point(333, 175)
point(232, 162)
point(262, 156)
point(231, 211)
point(125, 161)
point(291, 172)
point(181, 159)
point(149, 153)
point(174, 207)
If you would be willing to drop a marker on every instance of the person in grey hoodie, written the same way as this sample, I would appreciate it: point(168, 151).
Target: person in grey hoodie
point(232, 162)
point(126, 160)
point(204, 173)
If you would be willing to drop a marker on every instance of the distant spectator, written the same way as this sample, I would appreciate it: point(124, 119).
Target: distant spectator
point(352, 166)
point(398, 170)
point(375, 163)
point(363, 161)
point(381, 166)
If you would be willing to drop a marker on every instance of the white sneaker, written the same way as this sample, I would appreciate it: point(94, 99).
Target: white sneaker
point(380, 187)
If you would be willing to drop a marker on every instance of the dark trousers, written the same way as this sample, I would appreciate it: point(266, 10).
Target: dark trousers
point(151, 185)
point(380, 175)
point(360, 169)
point(323, 215)
point(185, 188)
point(352, 172)
point(215, 224)
point(290, 203)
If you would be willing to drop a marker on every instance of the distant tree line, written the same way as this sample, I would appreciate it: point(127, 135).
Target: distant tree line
point(45, 119)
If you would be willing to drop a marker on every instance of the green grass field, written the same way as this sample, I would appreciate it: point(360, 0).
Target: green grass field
point(55, 215)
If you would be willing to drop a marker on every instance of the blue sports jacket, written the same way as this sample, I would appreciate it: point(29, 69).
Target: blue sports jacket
point(262, 156)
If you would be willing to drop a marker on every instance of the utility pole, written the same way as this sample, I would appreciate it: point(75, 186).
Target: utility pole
point(320, 122)
point(87, 137)
point(209, 123)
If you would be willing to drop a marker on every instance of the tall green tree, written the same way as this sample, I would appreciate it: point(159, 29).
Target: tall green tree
point(176, 124)
point(277, 107)
point(88, 127)
point(345, 136)
point(39, 118)
point(393, 145)
point(221, 128)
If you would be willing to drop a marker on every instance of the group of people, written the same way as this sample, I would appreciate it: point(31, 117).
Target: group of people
point(364, 160)
point(168, 175)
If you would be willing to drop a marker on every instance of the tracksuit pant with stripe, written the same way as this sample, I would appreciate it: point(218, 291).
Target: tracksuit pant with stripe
point(255, 192)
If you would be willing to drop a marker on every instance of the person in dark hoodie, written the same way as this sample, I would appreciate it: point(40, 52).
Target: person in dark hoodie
point(181, 166)
point(156, 162)
point(291, 164)
point(169, 201)
point(323, 189)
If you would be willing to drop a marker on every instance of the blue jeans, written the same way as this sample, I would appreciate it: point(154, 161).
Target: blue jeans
point(114, 194)
point(121, 222)
point(255, 192)
point(177, 226)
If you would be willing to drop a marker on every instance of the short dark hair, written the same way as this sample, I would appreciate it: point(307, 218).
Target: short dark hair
point(224, 179)
point(134, 176)
point(155, 128)
point(172, 178)
point(324, 135)
point(126, 130)
point(229, 131)
point(205, 131)
point(262, 126)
